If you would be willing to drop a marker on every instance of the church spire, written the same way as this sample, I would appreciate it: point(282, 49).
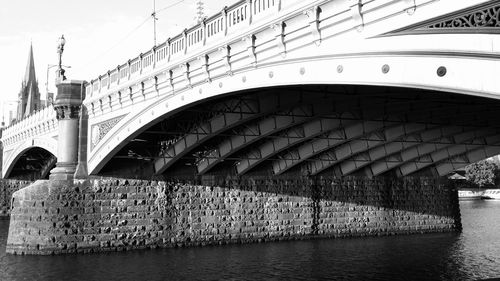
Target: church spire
point(30, 67)
point(29, 96)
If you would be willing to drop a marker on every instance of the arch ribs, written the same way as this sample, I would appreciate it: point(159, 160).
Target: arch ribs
point(262, 128)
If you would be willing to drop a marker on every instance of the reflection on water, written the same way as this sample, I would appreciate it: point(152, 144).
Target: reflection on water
point(471, 255)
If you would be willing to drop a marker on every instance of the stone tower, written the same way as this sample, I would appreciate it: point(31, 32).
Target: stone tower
point(29, 96)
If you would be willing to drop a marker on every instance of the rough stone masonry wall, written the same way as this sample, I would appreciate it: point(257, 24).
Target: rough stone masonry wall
point(108, 215)
point(7, 188)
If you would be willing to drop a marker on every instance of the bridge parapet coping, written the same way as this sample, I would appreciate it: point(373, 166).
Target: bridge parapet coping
point(305, 43)
point(40, 123)
point(187, 44)
point(215, 48)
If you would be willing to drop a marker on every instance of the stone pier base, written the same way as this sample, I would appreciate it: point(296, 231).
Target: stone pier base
point(54, 217)
point(7, 188)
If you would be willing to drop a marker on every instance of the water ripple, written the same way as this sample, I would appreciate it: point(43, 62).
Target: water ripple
point(471, 255)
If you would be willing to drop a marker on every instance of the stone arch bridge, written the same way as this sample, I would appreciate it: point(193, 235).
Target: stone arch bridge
point(272, 87)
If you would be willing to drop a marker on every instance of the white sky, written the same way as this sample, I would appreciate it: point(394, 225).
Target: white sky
point(100, 34)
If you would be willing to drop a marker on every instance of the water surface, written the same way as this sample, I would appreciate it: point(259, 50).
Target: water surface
point(471, 255)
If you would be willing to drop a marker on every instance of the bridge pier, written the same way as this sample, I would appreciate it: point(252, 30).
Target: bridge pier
point(54, 217)
point(68, 103)
point(7, 188)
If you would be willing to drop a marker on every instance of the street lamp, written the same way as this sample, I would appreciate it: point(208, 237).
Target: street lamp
point(49, 66)
point(60, 50)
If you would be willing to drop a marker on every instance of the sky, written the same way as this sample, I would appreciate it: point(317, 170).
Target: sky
point(100, 34)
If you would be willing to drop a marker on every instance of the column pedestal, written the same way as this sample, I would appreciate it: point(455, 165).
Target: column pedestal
point(63, 171)
point(68, 104)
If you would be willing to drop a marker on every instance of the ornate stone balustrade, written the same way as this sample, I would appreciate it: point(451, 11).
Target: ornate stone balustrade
point(229, 23)
point(222, 43)
point(449, 45)
point(258, 36)
point(41, 123)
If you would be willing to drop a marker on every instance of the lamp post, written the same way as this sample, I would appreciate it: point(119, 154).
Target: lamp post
point(60, 50)
point(49, 66)
point(67, 105)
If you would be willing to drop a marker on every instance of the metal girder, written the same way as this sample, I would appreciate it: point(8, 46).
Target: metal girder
point(231, 145)
point(309, 149)
point(262, 128)
point(291, 137)
point(427, 143)
point(377, 152)
point(355, 146)
point(335, 138)
point(242, 112)
point(445, 153)
point(403, 143)
point(393, 108)
point(254, 132)
point(391, 147)
point(469, 157)
point(328, 159)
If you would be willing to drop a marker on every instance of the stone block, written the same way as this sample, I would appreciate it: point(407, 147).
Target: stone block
point(127, 214)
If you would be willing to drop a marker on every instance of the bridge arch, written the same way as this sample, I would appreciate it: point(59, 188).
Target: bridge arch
point(125, 130)
point(38, 156)
point(464, 73)
point(305, 44)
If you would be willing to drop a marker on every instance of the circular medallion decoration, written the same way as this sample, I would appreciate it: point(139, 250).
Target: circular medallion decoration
point(302, 71)
point(271, 74)
point(441, 71)
point(340, 68)
point(385, 68)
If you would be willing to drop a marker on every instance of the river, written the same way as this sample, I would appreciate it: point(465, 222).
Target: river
point(471, 255)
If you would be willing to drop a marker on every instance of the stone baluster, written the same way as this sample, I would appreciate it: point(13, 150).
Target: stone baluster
point(224, 19)
point(204, 32)
point(184, 35)
point(250, 11)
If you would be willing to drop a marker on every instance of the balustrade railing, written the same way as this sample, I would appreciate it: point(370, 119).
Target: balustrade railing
point(227, 21)
point(214, 26)
point(227, 24)
point(40, 122)
point(237, 15)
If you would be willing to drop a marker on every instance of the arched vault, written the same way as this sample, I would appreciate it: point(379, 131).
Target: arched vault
point(32, 159)
point(316, 129)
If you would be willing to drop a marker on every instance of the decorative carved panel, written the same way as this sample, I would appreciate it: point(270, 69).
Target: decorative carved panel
point(483, 18)
point(98, 131)
point(478, 19)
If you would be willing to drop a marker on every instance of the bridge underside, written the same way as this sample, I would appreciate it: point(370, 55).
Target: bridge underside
point(35, 163)
point(335, 130)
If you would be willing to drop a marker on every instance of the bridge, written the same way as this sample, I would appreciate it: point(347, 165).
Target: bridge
point(310, 87)
point(30, 146)
point(291, 88)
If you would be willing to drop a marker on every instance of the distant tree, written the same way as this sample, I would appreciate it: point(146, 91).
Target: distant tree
point(482, 173)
